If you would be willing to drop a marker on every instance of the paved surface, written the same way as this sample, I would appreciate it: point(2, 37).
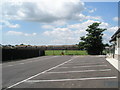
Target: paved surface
point(114, 62)
point(60, 72)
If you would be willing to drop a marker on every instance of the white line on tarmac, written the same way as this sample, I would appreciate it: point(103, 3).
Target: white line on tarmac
point(21, 63)
point(83, 62)
point(77, 79)
point(86, 63)
point(79, 71)
point(28, 62)
point(10, 65)
point(84, 66)
point(38, 74)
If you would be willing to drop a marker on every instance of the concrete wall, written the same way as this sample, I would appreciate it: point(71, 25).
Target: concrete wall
point(118, 44)
point(117, 49)
point(116, 56)
point(119, 57)
point(116, 53)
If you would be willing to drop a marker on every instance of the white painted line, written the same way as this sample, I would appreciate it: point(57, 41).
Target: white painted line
point(86, 63)
point(21, 63)
point(10, 65)
point(39, 74)
point(77, 79)
point(79, 71)
point(39, 60)
point(84, 66)
point(28, 62)
point(83, 62)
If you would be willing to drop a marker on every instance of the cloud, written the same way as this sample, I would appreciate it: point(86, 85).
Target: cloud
point(61, 35)
point(14, 26)
point(106, 38)
point(8, 24)
point(84, 17)
point(59, 32)
point(1, 27)
point(43, 10)
point(47, 27)
point(112, 29)
point(15, 33)
point(84, 25)
point(71, 33)
point(115, 19)
point(93, 10)
point(109, 33)
point(75, 26)
point(60, 23)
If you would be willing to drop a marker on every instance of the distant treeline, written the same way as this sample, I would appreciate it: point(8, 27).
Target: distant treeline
point(61, 47)
point(53, 47)
point(20, 53)
point(45, 47)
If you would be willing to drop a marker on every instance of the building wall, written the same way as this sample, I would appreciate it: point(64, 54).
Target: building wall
point(119, 45)
point(119, 57)
point(117, 48)
point(119, 42)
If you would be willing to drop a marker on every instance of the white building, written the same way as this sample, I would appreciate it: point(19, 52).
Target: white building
point(115, 40)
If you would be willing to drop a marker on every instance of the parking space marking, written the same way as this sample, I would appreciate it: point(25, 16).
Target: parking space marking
point(86, 63)
point(83, 62)
point(76, 62)
point(21, 63)
point(40, 73)
point(10, 65)
point(84, 66)
point(27, 62)
point(77, 79)
point(79, 71)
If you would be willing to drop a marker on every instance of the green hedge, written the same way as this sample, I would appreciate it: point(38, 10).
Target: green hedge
point(22, 53)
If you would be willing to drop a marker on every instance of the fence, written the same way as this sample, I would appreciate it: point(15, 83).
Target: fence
point(12, 54)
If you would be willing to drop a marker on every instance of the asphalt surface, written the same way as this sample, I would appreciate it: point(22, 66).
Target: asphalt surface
point(60, 72)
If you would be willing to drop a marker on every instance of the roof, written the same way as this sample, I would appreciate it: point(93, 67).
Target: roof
point(113, 38)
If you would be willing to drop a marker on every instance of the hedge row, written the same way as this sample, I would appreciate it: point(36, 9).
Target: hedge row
point(13, 54)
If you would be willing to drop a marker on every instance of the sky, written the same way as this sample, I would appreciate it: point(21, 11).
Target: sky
point(54, 22)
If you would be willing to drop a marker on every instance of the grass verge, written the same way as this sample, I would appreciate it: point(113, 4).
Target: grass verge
point(66, 52)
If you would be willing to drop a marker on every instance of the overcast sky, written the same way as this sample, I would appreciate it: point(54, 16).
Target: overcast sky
point(54, 22)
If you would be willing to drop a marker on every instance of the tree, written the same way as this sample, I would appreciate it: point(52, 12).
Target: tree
point(106, 45)
point(81, 45)
point(22, 44)
point(92, 42)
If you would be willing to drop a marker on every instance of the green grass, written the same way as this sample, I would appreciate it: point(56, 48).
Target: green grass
point(66, 52)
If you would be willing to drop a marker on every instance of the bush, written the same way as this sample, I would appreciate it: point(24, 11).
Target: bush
point(23, 53)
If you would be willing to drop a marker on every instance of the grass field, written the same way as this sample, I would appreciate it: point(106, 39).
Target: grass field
point(66, 52)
